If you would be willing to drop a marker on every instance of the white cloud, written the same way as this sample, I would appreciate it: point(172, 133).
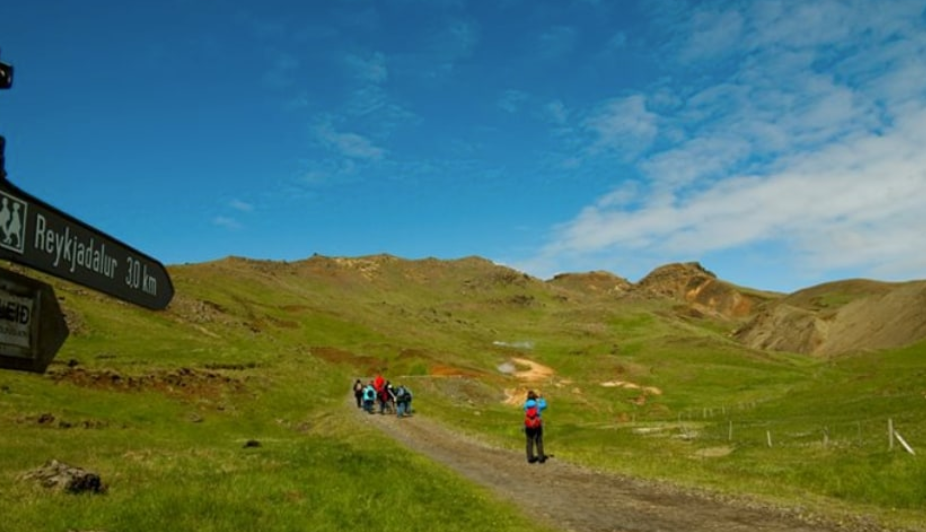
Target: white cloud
point(850, 205)
point(226, 222)
point(556, 112)
point(349, 145)
point(240, 205)
point(621, 126)
point(713, 33)
point(806, 135)
point(696, 159)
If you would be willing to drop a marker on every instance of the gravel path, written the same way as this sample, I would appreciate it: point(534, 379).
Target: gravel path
point(573, 498)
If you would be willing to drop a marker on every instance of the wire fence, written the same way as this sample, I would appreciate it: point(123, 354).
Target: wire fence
point(744, 426)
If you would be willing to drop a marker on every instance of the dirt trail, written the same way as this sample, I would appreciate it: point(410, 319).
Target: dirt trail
point(573, 498)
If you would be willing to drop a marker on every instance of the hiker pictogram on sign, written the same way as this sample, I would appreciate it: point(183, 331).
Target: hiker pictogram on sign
point(12, 223)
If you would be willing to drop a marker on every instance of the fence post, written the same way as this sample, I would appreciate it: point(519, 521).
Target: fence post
point(904, 443)
point(826, 437)
point(730, 431)
point(890, 434)
point(768, 437)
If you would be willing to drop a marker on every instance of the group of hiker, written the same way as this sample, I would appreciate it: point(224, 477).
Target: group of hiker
point(381, 392)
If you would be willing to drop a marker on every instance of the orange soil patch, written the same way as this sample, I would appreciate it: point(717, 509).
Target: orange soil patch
point(534, 372)
point(532, 375)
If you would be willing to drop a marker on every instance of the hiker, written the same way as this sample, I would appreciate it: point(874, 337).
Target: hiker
point(533, 426)
point(386, 398)
point(358, 393)
point(403, 401)
point(369, 396)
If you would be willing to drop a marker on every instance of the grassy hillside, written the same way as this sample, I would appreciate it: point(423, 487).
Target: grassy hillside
point(162, 403)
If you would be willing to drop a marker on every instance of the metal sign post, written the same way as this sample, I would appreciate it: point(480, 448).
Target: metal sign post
point(6, 75)
point(35, 234)
point(6, 81)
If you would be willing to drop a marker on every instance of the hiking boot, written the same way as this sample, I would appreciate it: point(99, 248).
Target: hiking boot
point(542, 459)
point(531, 460)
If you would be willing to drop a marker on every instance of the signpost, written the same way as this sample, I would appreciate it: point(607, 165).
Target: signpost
point(32, 327)
point(35, 234)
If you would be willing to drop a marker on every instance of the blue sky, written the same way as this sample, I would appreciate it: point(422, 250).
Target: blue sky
point(780, 143)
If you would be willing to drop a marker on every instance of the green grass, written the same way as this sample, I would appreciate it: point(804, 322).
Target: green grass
point(317, 467)
point(294, 483)
point(177, 460)
point(827, 420)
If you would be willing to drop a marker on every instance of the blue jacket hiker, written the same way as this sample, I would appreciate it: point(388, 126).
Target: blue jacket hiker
point(369, 397)
point(533, 426)
point(403, 401)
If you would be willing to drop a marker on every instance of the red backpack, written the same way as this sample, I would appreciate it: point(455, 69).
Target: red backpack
point(532, 418)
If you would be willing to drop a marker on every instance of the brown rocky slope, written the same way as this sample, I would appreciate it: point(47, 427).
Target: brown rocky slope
point(841, 317)
point(824, 320)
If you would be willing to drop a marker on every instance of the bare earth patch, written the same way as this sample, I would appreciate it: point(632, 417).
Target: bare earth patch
point(530, 373)
point(182, 382)
point(651, 390)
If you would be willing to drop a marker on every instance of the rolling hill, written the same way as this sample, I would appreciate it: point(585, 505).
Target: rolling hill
point(664, 368)
point(459, 299)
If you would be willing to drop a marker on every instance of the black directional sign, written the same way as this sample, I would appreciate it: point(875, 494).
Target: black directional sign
point(37, 235)
point(32, 328)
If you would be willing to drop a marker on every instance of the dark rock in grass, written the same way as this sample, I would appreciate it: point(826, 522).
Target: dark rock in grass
point(64, 477)
point(251, 443)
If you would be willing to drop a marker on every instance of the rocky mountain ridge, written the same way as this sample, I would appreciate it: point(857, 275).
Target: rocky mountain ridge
point(824, 320)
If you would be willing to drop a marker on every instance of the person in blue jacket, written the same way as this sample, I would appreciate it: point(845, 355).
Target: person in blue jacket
point(369, 397)
point(533, 426)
